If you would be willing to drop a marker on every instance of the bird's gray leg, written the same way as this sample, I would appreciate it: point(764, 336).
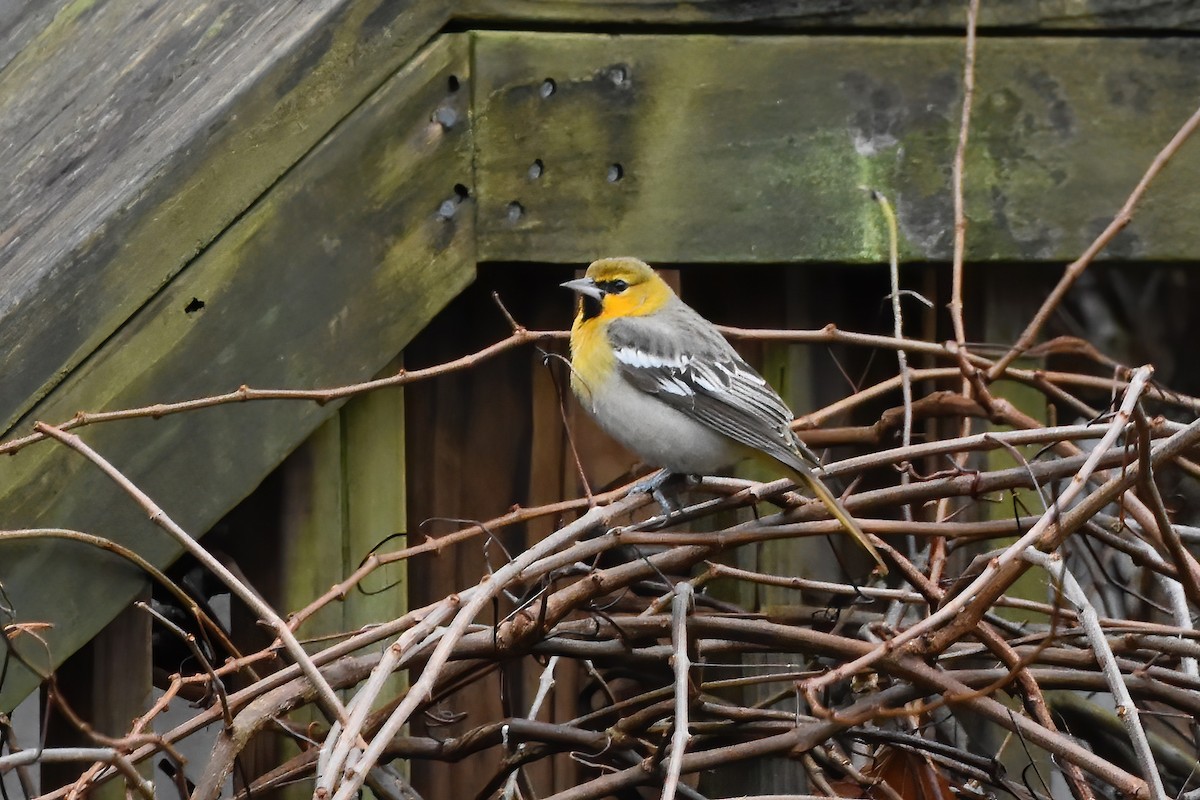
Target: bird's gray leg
point(655, 486)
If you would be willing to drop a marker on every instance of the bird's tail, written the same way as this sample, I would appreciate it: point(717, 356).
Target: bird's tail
point(838, 510)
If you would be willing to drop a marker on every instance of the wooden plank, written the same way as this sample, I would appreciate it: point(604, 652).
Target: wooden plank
point(554, 476)
point(311, 550)
point(1007, 302)
point(374, 464)
point(311, 547)
point(755, 148)
point(1102, 15)
point(108, 685)
point(479, 442)
point(322, 282)
point(249, 540)
point(168, 120)
point(343, 492)
point(467, 449)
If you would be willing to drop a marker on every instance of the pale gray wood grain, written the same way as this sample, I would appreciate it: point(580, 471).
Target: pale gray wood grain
point(132, 132)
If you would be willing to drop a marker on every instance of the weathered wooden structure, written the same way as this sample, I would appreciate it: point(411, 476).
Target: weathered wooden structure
point(208, 194)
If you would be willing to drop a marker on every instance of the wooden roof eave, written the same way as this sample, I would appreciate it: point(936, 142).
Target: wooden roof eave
point(320, 282)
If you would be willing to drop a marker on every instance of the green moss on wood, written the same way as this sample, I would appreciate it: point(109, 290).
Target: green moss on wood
point(757, 149)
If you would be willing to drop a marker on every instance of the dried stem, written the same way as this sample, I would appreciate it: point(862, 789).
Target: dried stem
point(958, 180)
point(681, 664)
point(1127, 710)
point(889, 217)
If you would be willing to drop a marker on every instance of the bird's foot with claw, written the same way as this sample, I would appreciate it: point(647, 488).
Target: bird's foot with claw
point(663, 487)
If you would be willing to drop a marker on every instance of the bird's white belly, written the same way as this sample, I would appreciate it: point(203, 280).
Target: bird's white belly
point(661, 435)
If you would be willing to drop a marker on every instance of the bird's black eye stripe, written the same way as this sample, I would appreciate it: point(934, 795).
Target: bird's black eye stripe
point(613, 287)
point(590, 307)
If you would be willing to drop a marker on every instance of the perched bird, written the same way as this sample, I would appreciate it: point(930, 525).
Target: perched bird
point(664, 382)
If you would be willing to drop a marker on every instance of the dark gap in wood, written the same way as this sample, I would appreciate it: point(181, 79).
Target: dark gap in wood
point(799, 28)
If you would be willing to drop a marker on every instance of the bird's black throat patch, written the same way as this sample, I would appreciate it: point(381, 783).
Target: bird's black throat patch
point(590, 306)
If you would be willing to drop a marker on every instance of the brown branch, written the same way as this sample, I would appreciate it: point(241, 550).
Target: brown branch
point(245, 394)
point(1185, 562)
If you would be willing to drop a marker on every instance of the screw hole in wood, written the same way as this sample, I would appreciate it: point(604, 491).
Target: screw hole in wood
point(619, 75)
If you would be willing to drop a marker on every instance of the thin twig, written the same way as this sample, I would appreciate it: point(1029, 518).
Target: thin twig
point(190, 642)
point(889, 217)
point(958, 179)
point(244, 394)
point(1185, 562)
point(330, 701)
point(338, 744)
point(937, 551)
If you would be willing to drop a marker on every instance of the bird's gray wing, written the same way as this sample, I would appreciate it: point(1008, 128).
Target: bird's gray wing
point(685, 362)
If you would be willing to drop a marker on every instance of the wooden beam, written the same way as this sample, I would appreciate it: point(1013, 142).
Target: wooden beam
point(320, 283)
point(374, 474)
point(755, 149)
point(132, 135)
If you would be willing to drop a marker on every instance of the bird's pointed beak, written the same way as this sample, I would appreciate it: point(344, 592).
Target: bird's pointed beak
point(584, 286)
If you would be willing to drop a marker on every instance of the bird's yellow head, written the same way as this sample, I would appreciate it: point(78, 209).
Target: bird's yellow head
point(619, 287)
